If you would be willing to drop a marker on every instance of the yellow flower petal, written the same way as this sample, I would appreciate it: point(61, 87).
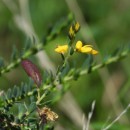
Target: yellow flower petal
point(86, 49)
point(62, 49)
point(79, 45)
point(88, 46)
point(94, 52)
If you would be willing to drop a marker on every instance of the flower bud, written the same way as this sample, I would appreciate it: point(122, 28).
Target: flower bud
point(32, 71)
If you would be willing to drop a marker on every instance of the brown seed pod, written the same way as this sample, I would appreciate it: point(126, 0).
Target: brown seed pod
point(32, 71)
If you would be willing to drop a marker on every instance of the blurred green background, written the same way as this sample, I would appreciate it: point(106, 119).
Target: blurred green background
point(105, 24)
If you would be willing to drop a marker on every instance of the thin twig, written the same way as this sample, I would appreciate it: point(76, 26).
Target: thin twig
point(90, 115)
point(118, 117)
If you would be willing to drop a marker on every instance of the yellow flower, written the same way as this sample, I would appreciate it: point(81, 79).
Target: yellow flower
point(88, 49)
point(62, 49)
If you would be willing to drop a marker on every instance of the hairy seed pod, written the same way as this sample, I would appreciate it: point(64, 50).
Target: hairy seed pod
point(32, 71)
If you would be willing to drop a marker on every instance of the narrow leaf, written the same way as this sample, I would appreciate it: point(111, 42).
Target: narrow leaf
point(32, 107)
point(14, 55)
point(9, 94)
point(88, 62)
point(15, 91)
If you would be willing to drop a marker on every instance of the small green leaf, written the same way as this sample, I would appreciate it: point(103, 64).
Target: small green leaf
point(22, 89)
point(9, 94)
point(25, 88)
point(88, 62)
point(32, 99)
point(32, 120)
point(106, 58)
point(32, 107)
point(71, 72)
point(14, 55)
point(49, 127)
point(1, 103)
point(65, 70)
point(30, 84)
point(27, 46)
point(118, 50)
point(15, 91)
point(21, 110)
point(71, 51)
point(76, 74)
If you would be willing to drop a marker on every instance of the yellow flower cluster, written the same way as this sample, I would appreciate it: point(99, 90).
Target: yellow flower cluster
point(73, 30)
point(87, 49)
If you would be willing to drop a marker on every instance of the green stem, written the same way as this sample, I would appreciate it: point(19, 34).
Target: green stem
point(98, 66)
point(43, 96)
point(15, 63)
point(40, 99)
point(70, 77)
